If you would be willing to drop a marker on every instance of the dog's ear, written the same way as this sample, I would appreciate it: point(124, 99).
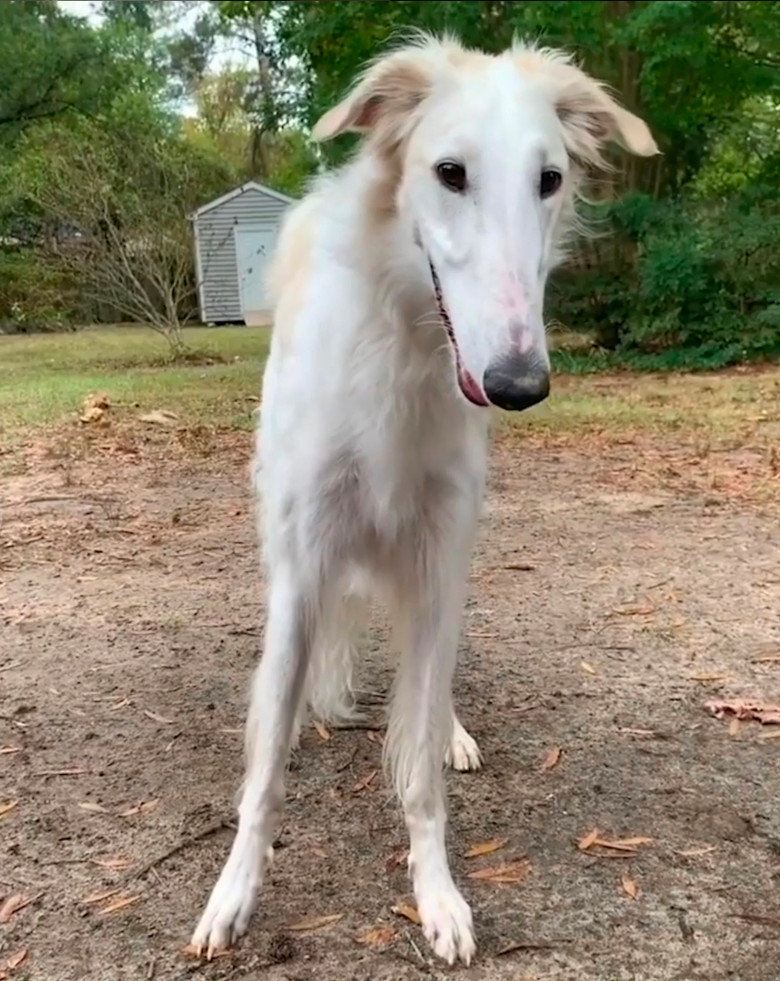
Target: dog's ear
point(591, 118)
point(384, 98)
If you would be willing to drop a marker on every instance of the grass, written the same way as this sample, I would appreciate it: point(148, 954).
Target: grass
point(45, 378)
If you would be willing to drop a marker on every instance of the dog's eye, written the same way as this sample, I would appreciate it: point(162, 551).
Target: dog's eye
point(452, 175)
point(549, 182)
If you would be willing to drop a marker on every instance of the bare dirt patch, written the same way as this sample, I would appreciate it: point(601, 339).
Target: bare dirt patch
point(611, 598)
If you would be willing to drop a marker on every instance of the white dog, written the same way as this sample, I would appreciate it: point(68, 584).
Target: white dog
point(408, 299)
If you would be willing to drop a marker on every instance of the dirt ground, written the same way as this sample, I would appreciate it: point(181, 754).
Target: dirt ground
point(616, 588)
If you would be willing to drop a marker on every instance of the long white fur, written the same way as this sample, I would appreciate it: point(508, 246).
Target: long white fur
point(370, 461)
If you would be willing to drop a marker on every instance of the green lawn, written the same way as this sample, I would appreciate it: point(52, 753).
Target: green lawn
point(45, 378)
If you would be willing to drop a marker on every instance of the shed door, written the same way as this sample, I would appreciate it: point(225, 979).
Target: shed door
point(253, 252)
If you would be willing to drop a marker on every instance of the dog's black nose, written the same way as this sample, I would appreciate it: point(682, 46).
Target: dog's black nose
point(517, 382)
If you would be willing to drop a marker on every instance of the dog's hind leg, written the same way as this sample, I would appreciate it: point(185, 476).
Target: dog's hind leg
point(293, 611)
point(462, 752)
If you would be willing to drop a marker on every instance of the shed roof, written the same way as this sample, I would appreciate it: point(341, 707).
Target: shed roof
point(236, 192)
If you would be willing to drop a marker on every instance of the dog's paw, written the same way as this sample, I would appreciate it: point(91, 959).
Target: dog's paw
point(447, 925)
point(462, 752)
point(231, 903)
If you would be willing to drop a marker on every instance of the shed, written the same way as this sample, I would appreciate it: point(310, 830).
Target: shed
point(234, 238)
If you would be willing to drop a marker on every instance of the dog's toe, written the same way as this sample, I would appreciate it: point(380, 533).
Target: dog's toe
point(447, 924)
point(462, 752)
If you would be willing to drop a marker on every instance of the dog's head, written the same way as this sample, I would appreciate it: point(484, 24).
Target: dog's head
point(488, 151)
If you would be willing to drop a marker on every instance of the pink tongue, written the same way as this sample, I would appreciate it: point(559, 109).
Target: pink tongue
point(470, 388)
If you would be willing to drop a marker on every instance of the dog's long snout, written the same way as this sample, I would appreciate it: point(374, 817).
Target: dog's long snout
point(517, 381)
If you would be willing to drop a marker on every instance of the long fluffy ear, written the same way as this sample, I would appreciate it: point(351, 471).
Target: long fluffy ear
point(591, 118)
point(385, 97)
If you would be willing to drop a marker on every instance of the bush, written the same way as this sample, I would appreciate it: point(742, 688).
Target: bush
point(690, 283)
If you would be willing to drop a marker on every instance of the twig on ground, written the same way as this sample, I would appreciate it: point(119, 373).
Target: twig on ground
point(222, 825)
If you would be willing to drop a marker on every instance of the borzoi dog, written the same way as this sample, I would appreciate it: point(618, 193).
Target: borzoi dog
point(408, 292)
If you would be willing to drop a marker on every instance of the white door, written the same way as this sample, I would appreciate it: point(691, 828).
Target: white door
point(253, 251)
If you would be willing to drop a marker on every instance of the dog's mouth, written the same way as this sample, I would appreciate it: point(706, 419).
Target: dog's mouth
point(469, 387)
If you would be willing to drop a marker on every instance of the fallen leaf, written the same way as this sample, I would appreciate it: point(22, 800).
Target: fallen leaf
point(377, 936)
point(745, 710)
point(157, 718)
point(630, 888)
point(511, 872)
point(160, 417)
point(7, 807)
point(315, 923)
point(397, 859)
point(16, 903)
point(587, 840)
point(92, 807)
point(115, 863)
point(696, 852)
point(122, 903)
point(8, 750)
point(319, 852)
point(637, 610)
point(364, 782)
point(485, 847)
point(587, 667)
point(552, 759)
point(766, 659)
point(322, 732)
point(75, 771)
point(141, 808)
point(408, 912)
point(16, 959)
point(637, 732)
point(712, 676)
point(622, 844)
point(99, 897)
point(769, 735)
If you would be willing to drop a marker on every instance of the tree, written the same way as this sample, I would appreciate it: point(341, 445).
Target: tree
point(114, 205)
point(50, 65)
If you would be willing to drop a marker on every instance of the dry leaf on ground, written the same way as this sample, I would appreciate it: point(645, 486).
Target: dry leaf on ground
point(200, 952)
point(159, 417)
point(157, 718)
point(552, 759)
point(315, 923)
point(744, 710)
point(630, 888)
point(15, 960)
point(377, 936)
point(708, 676)
point(92, 807)
point(587, 840)
point(408, 912)
point(485, 847)
point(510, 872)
point(7, 807)
point(587, 667)
point(364, 782)
point(696, 852)
point(115, 863)
point(142, 808)
point(10, 750)
point(766, 659)
point(398, 858)
point(636, 610)
point(122, 903)
point(14, 904)
point(99, 897)
point(622, 844)
point(322, 732)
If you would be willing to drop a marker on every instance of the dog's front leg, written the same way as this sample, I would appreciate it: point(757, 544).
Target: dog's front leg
point(419, 731)
point(276, 696)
